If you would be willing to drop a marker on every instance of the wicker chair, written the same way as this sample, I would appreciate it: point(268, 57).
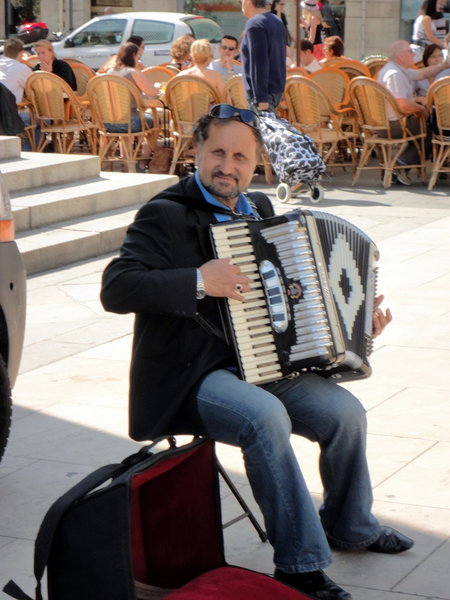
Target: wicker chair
point(310, 110)
point(114, 99)
point(438, 100)
point(233, 93)
point(58, 113)
point(83, 74)
point(297, 71)
point(353, 68)
point(158, 74)
point(375, 65)
point(31, 61)
point(335, 83)
point(188, 98)
point(371, 101)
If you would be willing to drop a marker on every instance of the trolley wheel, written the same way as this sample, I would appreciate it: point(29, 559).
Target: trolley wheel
point(316, 194)
point(283, 192)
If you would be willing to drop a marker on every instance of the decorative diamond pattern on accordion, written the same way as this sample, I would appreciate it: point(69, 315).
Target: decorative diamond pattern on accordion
point(311, 300)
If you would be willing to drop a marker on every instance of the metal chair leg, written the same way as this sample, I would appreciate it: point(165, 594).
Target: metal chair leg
point(247, 511)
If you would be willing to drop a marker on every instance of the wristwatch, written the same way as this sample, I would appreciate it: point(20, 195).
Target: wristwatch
point(201, 293)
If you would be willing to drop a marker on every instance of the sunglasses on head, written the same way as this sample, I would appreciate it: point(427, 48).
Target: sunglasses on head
point(227, 47)
point(226, 111)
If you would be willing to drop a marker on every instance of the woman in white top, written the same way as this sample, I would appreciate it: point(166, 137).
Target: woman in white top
point(429, 27)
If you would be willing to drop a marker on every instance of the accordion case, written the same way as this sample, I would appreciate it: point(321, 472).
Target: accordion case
point(311, 301)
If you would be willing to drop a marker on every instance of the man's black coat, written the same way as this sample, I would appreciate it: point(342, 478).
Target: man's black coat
point(155, 278)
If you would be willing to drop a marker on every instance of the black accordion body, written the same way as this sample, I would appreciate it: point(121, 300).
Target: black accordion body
point(311, 301)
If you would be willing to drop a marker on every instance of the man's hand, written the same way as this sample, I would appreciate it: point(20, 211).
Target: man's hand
point(380, 319)
point(221, 277)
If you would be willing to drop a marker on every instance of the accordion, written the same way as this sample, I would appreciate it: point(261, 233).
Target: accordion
point(310, 306)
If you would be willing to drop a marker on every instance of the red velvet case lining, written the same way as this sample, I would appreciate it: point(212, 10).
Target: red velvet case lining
point(175, 519)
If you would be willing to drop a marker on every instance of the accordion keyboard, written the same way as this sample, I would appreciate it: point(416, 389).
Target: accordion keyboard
point(251, 321)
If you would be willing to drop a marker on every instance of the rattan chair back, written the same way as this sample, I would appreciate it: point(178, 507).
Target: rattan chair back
point(233, 92)
point(334, 83)
point(438, 101)
point(375, 65)
point(188, 97)
point(83, 74)
point(158, 74)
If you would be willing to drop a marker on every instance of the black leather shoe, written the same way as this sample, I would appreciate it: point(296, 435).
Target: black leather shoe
point(391, 541)
point(315, 584)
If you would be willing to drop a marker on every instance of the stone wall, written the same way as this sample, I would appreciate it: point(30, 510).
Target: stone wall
point(370, 26)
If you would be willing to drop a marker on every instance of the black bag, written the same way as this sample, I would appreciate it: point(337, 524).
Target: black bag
point(99, 538)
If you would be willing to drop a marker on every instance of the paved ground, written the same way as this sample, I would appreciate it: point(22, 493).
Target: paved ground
point(71, 415)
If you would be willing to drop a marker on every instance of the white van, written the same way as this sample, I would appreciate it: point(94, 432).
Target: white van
point(95, 41)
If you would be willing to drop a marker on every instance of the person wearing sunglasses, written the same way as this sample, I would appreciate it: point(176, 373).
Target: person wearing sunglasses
point(226, 64)
point(184, 376)
point(263, 55)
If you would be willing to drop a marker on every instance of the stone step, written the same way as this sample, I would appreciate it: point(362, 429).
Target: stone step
point(38, 169)
point(9, 147)
point(65, 209)
point(108, 191)
point(74, 240)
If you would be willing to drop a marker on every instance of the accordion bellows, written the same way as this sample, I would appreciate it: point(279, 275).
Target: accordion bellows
point(312, 295)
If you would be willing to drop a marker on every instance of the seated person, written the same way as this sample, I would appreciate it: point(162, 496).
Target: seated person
point(307, 59)
point(333, 47)
point(202, 54)
point(432, 55)
point(134, 39)
point(399, 77)
point(48, 62)
point(125, 66)
point(14, 75)
point(184, 375)
point(226, 64)
point(180, 51)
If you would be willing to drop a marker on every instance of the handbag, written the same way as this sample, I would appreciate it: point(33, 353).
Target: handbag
point(143, 529)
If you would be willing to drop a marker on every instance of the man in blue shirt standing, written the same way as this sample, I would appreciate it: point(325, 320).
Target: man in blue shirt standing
point(263, 54)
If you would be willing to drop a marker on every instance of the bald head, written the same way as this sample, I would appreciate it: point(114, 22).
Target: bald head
point(396, 48)
point(400, 53)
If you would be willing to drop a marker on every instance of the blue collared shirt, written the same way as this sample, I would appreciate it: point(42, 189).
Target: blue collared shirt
point(242, 205)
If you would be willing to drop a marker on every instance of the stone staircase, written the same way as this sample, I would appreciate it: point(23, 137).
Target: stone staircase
point(65, 209)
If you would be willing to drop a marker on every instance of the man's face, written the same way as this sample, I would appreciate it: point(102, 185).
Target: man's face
point(227, 49)
point(245, 5)
point(405, 58)
point(306, 57)
point(226, 161)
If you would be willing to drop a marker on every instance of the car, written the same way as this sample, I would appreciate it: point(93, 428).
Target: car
point(95, 41)
point(12, 312)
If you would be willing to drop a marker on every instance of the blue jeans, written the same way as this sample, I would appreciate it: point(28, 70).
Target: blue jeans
point(260, 421)
point(135, 125)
